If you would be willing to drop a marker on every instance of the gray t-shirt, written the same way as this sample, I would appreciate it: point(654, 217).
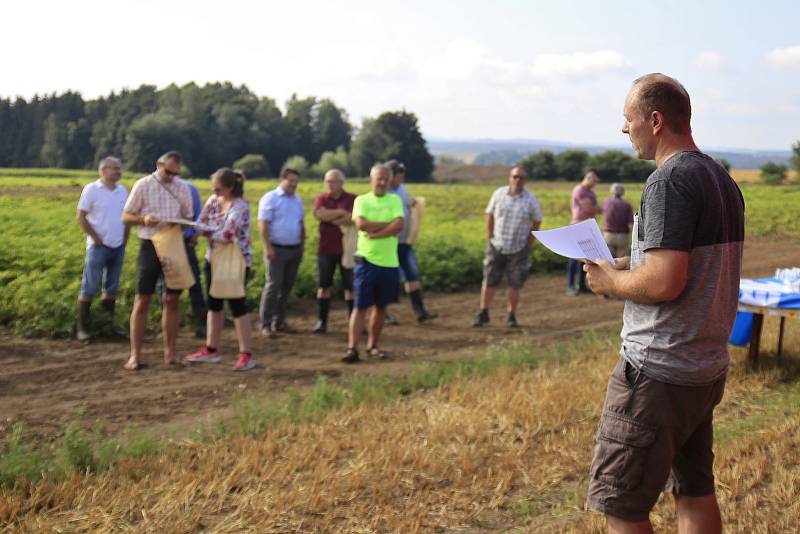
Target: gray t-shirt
point(690, 204)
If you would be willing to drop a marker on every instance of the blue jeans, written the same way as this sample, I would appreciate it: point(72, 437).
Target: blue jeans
point(103, 268)
point(575, 269)
point(409, 272)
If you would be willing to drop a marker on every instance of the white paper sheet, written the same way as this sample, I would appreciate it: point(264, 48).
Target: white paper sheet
point(186, 222)
point(581, 241)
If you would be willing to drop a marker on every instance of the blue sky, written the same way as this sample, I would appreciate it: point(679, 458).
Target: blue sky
point(469, 69)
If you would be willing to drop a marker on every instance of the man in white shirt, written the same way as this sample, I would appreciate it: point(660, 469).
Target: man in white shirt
point(99, 215)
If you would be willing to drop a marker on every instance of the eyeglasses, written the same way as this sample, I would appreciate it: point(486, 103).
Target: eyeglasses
point(518, 176)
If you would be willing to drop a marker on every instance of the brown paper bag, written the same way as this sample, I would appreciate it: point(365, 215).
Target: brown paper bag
point(171, 252)
point(349, 241)
point(415, 220)
point(228, 268)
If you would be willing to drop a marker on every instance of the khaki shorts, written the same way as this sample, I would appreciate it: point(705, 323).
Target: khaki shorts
point(652, 437)
point(618, 243)
point(515, 266)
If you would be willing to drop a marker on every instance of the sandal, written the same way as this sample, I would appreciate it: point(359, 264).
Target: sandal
point(351, 356)
point(376, 353)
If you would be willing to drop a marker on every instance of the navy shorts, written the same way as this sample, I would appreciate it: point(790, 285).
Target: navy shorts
point(375, 285)
point(409, 271)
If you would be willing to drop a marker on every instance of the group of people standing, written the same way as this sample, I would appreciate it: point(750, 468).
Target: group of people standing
point(365, 237)
point(617, 222)
point(679, 282)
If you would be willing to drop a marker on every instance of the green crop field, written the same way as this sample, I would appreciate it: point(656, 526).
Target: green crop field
point(42, 247)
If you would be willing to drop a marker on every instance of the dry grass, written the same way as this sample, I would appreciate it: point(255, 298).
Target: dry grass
point(508, 450)
point(754, 175)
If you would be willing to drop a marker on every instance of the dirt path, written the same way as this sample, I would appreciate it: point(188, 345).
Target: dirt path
point(47, 383)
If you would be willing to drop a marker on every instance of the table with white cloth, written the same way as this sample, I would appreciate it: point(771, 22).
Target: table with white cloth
point(758, 298)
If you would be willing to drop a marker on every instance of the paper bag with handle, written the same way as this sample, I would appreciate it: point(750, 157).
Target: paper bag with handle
point(171, 252)
point(228, 268)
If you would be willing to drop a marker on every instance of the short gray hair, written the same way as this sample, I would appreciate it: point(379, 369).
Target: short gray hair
point(377, 167)
point(617, 189)
point(337, 172)
point(107, 162)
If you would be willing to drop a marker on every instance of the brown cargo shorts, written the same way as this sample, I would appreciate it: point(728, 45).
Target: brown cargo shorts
point(515, 266)
point(652, 437)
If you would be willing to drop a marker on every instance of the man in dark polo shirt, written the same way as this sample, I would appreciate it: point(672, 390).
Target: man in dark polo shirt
point(333, 209)
point(681, 286)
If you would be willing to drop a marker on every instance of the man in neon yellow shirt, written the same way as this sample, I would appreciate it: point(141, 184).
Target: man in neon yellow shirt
point(378, 217)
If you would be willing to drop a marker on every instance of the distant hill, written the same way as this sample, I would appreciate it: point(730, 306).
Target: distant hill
point(508, 151)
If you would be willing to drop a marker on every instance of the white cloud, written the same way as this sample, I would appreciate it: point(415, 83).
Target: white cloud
point(785, 58)
point(709, 60)
point(578, 64)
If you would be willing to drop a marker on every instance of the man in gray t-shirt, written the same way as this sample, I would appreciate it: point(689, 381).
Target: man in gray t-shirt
point(680, 285)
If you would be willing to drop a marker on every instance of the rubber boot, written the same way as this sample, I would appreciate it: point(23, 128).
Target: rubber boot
point(419, 307)
point(109, 305)
point(82, 330)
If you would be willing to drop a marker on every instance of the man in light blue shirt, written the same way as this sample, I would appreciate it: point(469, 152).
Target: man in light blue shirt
point(283, 234)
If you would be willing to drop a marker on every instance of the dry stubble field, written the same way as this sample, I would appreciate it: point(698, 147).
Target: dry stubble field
point(505, 451)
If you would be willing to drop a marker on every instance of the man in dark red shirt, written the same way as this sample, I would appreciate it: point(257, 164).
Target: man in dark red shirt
point(333, 210)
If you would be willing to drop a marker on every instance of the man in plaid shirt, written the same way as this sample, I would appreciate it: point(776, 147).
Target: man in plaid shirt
point(155, 198)
point(510, 216)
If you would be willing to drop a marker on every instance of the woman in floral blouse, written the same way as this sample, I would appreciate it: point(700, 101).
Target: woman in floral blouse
point(228, 213)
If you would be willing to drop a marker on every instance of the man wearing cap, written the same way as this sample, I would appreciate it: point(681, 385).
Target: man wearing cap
point(155, 198)
point(405, 251)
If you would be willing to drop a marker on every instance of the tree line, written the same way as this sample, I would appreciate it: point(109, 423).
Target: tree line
point(610, 166)
point(213, 125)
point(776, 173)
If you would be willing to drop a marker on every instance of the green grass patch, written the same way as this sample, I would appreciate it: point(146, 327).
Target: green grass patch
point(88, 452)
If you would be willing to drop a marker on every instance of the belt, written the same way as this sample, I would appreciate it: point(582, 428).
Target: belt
point(285, 246)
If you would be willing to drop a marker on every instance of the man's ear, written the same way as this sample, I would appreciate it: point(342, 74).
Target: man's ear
point(657, 122)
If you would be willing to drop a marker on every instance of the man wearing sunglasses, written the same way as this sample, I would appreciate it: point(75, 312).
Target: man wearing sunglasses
point(155, 198)
point(510, 216)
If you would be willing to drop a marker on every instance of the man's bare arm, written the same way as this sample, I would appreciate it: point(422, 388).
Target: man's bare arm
point(392, 229)
point(328, 215)
point(86, 226)
point(344, 220)
point(661, 278)
point(131, 219)
point(263, 231)
point(535, 225)
point(370, 226)
point(587, 205)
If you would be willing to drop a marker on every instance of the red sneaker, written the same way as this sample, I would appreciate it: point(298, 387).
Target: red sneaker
point(204, 356)
point(244, 363)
